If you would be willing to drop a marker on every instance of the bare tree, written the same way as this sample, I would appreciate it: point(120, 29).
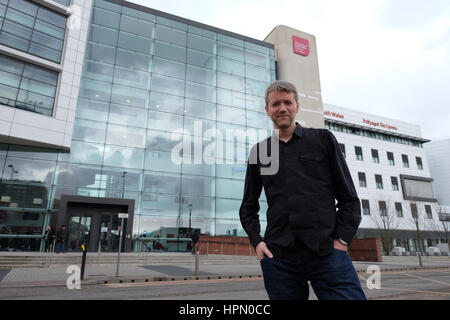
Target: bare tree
point(386, 223)
point(417, 212)
point(443, 226)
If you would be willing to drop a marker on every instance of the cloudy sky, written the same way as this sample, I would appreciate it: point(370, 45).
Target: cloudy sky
point(386, 57)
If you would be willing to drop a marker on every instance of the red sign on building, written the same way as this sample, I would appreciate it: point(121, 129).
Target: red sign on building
point(301, 46)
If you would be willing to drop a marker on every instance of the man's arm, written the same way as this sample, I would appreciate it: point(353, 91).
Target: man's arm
point(249, 209)
point(349, 207)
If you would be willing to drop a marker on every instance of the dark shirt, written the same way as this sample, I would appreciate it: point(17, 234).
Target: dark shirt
point(302, 215)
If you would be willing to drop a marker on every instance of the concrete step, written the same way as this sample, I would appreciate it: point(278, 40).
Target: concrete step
point(35, 260)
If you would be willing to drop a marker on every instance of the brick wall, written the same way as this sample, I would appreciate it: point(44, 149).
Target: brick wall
point(229, 245)
point(365, 250)
point(359, 250)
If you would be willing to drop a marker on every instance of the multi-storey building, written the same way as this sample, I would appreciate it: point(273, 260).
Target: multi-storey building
point(391, 172)
point(98, 100)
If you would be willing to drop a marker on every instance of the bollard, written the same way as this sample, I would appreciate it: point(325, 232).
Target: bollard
point(83, 261)
point(196, 263)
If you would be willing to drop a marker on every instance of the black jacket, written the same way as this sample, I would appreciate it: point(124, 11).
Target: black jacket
point(302, 211)
point(61, 235)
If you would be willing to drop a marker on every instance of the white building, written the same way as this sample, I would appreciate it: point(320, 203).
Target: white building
point(390, 170)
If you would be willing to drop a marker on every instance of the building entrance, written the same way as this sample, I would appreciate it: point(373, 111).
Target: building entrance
point(95, 222)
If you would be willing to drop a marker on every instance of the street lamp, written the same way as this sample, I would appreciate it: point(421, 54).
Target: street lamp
point(190, 213)
point(123, 183)
point(12, 171)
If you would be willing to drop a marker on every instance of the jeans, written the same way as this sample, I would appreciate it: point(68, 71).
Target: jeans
point(332, 277)
point(58, 247)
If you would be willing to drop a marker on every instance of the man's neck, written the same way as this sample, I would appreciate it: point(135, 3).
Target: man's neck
point(285, 134)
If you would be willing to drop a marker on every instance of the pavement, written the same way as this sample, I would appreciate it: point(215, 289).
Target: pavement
point(59, 275)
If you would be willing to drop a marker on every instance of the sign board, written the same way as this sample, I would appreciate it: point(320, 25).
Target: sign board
point(123, 215)
point(104, 229)
point(301, 46)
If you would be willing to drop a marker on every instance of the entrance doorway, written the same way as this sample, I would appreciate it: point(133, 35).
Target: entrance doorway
point(95, 222)
point(109, 235)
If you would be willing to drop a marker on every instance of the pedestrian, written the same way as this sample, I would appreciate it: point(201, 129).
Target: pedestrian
point(49, 236)
point(61, 239)
point(194, 238)
point(307, 233)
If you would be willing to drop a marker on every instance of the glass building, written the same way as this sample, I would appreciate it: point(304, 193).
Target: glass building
point(153, 89)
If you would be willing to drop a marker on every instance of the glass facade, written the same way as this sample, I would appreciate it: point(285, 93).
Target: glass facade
point(31, 28)
point(153, 90)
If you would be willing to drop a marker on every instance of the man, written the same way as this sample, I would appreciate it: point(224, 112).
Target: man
point(60, 240)
point(306, 238)
point(194, 238)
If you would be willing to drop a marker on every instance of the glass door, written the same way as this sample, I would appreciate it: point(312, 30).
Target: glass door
point(109, 233)
point(79, 230)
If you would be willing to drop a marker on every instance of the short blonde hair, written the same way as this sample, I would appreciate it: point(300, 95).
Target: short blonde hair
point(281, 86)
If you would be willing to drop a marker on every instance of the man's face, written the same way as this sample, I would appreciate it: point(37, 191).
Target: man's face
point(282, 109)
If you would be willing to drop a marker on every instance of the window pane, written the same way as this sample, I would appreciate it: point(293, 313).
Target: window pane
point(230, 82)
point(231, 115)
point(88, 109)
point(169, 68)
point(201, 75)
point(157, 182)
point(134, 42)
point(98, 71)
point(201, 109)
point(95, 90)
point(161, 161)
point(92, 131)
point(103, 35)
point(166, 103)
point(126, 136)
point(99, 52)
point(44, 52)
point(258, 120)
point(133, 60)
point(137, 14)
point(49, 29)
point(230, 51)
point(86, 152)
point(123, 157)
point(167, 85)
point(170, 35)
point(169, 51)
point(197, 185)
point(201, 44)
point(200, 92)
point(16, 29)
point(129, 96)
point(256, 87)
point(24, 6)
point(231, 67)
point(70, 174)
point(201, 59)
point(228, 188)
point(230, 98)
point(160, 140)
point(35, 102)
point(105, 18)
point(136, 26)
point(164, 121)
point(257, 73)
point(257, 58)
point(127, 115)
point(132, 78)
